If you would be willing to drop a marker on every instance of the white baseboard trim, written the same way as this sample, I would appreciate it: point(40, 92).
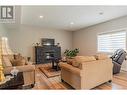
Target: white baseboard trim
point(124, 69)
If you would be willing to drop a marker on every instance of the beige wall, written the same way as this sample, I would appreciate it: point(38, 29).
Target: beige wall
point(3, 31)
point(86, 39)
point(22, 39)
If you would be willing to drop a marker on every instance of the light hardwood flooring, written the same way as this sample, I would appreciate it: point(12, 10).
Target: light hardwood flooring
point(119, 82)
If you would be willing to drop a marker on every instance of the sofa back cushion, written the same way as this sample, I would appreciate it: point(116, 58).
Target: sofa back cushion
point(82, 59)
point(101, 56)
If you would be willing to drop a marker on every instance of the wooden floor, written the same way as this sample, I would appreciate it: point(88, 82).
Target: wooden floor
point(119, 82)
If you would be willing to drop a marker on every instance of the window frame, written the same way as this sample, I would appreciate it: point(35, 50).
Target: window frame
point(113, 31)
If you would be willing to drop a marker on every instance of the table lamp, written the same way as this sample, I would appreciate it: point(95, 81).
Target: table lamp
point(2, 77)
point(5, 50)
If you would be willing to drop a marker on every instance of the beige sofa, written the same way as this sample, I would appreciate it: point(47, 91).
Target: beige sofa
point(88, 74)
point(28, 70)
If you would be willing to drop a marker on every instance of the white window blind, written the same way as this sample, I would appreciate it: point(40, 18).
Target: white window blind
point(109, 42)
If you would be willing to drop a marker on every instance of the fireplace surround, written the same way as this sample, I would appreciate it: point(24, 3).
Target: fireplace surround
point(47, 51)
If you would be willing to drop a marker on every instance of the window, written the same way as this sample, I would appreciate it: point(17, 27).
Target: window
point(109, 42)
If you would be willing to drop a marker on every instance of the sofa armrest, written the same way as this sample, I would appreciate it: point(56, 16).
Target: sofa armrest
point(107, 62)
point(25, 68)
point(96, 67)
point(116, 67)
point(70, 68)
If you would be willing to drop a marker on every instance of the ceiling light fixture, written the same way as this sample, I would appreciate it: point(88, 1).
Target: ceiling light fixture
point(101, 13)
point(41, 16)
point(71, 23)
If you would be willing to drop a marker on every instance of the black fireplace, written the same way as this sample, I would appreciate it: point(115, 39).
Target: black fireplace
point(47, 51)
point(49, 54)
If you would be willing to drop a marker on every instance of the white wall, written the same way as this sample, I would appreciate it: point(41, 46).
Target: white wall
point(21, 39)
point(3, 31)
point(86, 39)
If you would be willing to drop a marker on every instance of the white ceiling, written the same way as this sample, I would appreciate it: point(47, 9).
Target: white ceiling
point(59, 17)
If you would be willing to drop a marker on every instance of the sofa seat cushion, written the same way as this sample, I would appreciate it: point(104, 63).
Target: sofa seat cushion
point(101, 56)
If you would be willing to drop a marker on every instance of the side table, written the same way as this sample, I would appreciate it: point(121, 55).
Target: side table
point(55, 63)
point(14, 83)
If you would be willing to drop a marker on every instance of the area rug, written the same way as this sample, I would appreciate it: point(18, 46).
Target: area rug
point(48, 71)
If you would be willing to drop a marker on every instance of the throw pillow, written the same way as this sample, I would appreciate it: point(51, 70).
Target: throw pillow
point(10, 57)
point(70, 60)
point(6, 62)
point(75, 64)
point(17, 56)
point(18, 62)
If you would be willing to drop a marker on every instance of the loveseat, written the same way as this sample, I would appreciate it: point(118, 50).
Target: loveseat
point(87, 72)
point(22, 65)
